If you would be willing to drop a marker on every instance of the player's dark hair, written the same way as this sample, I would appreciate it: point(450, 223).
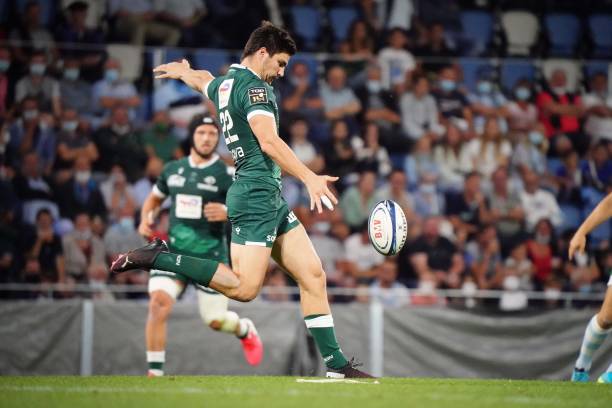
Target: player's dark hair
point(273, 38)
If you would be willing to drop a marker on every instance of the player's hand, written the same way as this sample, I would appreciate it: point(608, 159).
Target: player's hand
point(172, 70)
point(577, 243)
point(317, 188)
point(145, 229)
point(215, 212)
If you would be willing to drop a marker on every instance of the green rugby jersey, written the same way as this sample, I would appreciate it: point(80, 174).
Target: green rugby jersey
point(190, 188)
point(238, 96)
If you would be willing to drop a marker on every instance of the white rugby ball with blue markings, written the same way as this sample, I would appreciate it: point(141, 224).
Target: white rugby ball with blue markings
point(387, 227)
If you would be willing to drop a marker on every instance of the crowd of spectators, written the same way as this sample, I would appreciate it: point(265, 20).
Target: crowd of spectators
point(492, 181)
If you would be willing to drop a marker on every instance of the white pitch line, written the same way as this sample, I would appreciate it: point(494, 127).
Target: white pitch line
point(334, 380)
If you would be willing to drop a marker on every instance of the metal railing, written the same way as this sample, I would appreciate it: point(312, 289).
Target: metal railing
point(272, 293)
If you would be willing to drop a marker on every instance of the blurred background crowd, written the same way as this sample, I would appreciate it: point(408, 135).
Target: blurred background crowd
point(489, 122)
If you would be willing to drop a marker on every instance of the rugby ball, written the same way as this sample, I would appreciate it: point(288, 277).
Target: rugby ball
point(387, 227)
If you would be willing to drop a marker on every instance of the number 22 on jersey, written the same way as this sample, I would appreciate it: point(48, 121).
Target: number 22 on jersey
point(226, 126)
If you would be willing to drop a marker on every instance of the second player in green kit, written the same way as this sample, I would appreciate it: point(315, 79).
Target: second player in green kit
point(197, 186)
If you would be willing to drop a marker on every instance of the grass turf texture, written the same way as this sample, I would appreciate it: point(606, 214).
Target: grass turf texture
point(271, 392)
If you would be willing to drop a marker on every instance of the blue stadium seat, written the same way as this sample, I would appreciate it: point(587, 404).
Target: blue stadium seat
point(600, 26)
point(513, 70)
point(477, 30)
point(471, 68)
point(563, 33)
point(340, 20)
point(4, 11)
point(175, 54)
point(571, 217)
point(306, 24)
point(553, 165)
point(211, 60)
point(47, 10)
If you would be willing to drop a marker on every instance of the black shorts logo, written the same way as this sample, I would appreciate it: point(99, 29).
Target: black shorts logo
point(258, 95)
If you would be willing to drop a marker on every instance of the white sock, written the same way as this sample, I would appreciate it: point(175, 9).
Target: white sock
point(243, 330)
point(156, 360)
point(594, 336)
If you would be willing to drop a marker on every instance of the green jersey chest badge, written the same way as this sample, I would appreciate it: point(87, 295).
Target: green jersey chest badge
point(258, 95)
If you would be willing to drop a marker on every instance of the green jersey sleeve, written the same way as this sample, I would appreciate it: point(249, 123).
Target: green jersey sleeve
point(256, 98)
point(211, 90)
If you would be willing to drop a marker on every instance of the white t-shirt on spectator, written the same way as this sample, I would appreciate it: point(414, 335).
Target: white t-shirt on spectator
point(485, 162)
point(522, 119)
point(453, 167)
point(539, 205)
point(597, 126)
point(395, 296)
point(361, 254)
point(394, 64)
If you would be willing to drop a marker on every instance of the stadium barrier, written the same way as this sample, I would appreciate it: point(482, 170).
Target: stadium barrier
point(85, 337)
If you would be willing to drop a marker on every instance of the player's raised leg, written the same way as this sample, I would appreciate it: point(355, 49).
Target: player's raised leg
point(295, 253)
point(596, 332)
point(163, 291)
point(213, 308)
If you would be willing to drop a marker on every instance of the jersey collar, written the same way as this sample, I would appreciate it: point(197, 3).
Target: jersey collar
point(240, 66)
point(204, 165)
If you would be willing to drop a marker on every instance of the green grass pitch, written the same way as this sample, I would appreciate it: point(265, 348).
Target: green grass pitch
point(271, 392)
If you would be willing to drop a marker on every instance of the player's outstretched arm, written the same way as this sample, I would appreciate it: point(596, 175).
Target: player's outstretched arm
point(149, 211)
point(195, 79)
point(264, 129)
point(601, 213)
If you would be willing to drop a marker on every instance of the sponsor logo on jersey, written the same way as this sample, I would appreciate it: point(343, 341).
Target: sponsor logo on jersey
point(225, 90)
point(210, 180)
point(207, 187)
point(181, 170)
point(176, 181)
point(237, 230)
point(291, 217)
point(258, 95)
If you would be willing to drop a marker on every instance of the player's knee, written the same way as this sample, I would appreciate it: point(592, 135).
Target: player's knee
point(160, 306)
point(245, 293)
point(604, 319)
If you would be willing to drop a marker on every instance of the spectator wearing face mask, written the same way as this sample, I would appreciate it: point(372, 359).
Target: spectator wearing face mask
point(81, 248)
point(122, 235)
point(112, 92)
point(118, 194)
point(74, 91)
point(159, 139)
point(299, 96)
point(420, 116)
point(598, 104)
point(120, 144)
point(488, 101)
point(73, 141)
point(34, 189)
point(40, 86)
point(32, 132)
point(561, 110)
point(395, 61)
point(452, 103)
point(89, 41)
point(522, 114)
point(597, 169)
point(81, 193)
point(379, 105)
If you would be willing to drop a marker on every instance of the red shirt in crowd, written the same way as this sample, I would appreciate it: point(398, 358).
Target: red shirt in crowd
point(568, 124)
